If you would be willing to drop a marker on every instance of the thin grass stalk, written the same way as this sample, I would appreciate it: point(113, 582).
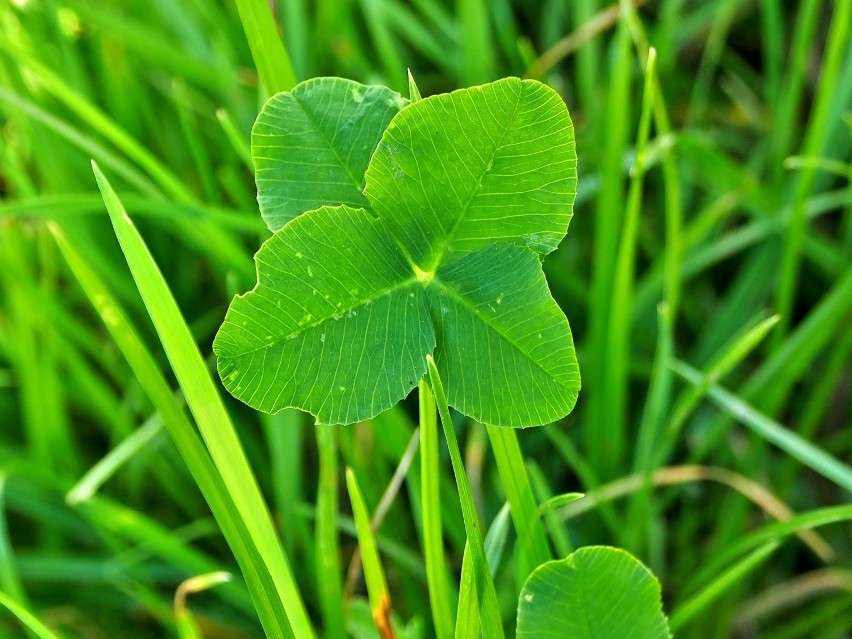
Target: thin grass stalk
point(605, 423)
point(328, 566)
point(270, 57)
point(492, 627)
point(818, 125)
point(433, 538)
point(532, 547)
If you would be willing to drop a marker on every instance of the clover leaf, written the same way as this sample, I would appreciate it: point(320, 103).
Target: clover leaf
point(438, 253)
point(597, 592)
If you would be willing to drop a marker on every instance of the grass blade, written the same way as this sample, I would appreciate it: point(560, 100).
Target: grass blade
point(811, 456)
point(128, 448)
point(327, 546)
point(377, 587)
point(689, 609)
point(270, 57)
point(433, 538)
point(532, 542)
point(143, 365)
point(206, 406)
point(490, 610)
point(27, 618)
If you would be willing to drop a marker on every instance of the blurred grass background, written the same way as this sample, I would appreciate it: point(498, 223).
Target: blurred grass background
point(731, 255)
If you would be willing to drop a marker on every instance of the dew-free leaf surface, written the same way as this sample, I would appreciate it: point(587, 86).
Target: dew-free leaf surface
point(311, 145)
point(463, 195)
point(597, 592)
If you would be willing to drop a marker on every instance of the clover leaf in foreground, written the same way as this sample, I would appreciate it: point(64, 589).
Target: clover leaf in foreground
point(439, 252)
point(597, 592)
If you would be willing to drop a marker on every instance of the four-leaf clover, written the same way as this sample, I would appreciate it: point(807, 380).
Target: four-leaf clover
point(402, 230)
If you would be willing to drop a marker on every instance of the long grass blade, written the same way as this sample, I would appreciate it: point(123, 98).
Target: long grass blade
point(810, 455)
point(433, 538)
point(273, 64)
point(206, 406)
point(489, 609)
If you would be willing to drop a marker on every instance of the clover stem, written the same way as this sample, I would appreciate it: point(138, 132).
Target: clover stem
point(433, 541)
point(489, 608)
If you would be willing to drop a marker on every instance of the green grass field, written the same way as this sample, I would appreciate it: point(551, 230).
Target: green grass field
point(706, 276)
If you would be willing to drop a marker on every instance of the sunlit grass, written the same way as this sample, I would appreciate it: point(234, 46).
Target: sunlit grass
point(116, 445)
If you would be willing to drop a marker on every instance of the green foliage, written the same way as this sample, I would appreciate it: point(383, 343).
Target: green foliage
point(350, 301)
point(597, 592)
point(710, 442)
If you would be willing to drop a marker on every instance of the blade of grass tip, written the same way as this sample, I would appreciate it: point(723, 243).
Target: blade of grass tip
point(811, 456)
point(258, 577)
point(818, 126)
point(270, 57)
point(433, 537)
point(377, 588)
point(584, 470)
point(29, 621)
point(671, 176)
point(126, 450)
point(328, 568)
point(492, 627)
point(413, 91)
point(771, 384)
point(384, 505)
point(187, 628)
point(721, 364)
point(620, 323)
point(690, 609)
point(532, 542)
point(206, 405)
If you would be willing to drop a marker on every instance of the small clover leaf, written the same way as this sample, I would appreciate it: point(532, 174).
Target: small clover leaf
point(462, 195)
point(311, 145)
point(597, 592)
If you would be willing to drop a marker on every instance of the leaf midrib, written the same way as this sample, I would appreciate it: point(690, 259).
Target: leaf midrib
point(338, 314)
point(355, 181)
point(436, 262)
point(485, 320)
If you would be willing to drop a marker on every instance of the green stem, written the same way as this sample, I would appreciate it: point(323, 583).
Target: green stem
point(433, 540)
point(532, 542)
point(491, 625)
point(328, 553)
